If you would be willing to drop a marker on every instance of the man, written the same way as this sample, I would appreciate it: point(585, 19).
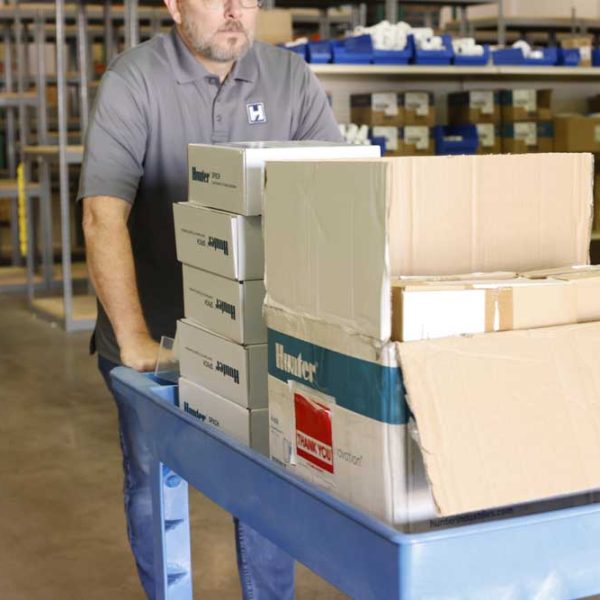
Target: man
point(207, 82)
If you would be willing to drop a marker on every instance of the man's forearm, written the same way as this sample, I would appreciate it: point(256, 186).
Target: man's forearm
point(112, 270)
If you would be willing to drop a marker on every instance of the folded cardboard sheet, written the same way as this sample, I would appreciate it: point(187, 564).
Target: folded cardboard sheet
point(508, 417)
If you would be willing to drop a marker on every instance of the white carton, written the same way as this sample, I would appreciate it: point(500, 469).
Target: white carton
point(250, 427)
point(224, 306)
point(220, 242)
point(236, 372)
point(231, 176)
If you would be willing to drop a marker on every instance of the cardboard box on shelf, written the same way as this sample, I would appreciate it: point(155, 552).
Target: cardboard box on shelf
point(596, 222)
point(219, 242)
point(576, 133)
point(236, 372)
point(393, 109)
point(250, 427)
point(490, 138)
point(527, 137)
point(224, 306)
point(525, 105)
point(537, 9)
point(274, 26)
point(338, 410)
point(412, 140)
point(230, 177)
point(473, 107)
point(584, 43)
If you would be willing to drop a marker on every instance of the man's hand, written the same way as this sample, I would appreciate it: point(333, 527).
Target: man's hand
point(139, 352)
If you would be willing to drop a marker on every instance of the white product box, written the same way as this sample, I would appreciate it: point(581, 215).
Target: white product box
point(250, 427)
point(231, 176)
point(236, 372)
point(219, 242)
point(224, 306)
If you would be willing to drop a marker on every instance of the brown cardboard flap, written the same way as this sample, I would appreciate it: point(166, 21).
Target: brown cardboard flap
point(506, 418)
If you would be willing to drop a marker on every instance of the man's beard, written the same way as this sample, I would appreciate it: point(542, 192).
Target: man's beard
point(207, 45)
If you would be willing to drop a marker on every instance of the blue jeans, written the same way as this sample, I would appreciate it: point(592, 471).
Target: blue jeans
point(266, 572)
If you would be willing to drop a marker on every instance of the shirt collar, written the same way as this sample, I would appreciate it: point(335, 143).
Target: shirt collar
point(187, 68)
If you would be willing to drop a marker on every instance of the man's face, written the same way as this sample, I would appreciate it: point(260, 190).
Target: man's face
point(219, 30)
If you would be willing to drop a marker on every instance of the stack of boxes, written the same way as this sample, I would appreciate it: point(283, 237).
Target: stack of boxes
point(361, 270)
point(222, 339)
point(482, 109)
point(404, 120)
point(527, 121)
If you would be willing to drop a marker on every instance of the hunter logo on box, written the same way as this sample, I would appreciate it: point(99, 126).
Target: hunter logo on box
point(219, 245)
point(200, 176)
point(228, 371)
point(294, 365)
point(314, 433)
point(226, 308)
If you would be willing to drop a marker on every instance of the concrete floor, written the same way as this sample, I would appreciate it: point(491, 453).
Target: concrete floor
point(62, 529)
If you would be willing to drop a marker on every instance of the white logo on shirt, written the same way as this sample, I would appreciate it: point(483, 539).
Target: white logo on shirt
point(256, 113)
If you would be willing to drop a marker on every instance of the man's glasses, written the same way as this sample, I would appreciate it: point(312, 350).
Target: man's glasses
point(220, 4)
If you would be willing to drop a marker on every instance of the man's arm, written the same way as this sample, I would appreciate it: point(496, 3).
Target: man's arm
point(112, 270)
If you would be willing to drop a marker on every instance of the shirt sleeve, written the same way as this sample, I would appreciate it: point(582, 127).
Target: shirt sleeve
point(115, 143)
point(317, 121)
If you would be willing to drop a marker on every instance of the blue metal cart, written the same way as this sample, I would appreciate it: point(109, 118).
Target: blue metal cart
point(551, 555)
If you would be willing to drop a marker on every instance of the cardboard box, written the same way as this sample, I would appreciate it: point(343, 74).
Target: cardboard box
point(490, 138)
point(236, 372)
point(436, 310)
point(486, 403)
point(230, 177)
point(274, 26)
point(596, 223)
point(219, 242)
point(250, 427)
point(230, 308)
point(338, 412)
point(526, 137)
point(393, 109)
point(538, 9)
point(474, 107)
point(412, 140)
point(386, 214)
point(526, 105)
point(576, 133)
point(594, 104)
point(584, 43)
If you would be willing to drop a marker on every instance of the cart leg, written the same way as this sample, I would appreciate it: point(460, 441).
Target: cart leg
point(172, 557)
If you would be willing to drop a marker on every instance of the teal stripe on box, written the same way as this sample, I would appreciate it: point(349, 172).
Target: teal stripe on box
point(364, 387)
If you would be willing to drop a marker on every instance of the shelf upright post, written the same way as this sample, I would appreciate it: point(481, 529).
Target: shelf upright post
point(84, 67)
point(20, 42)
point(501, 24)
point(132, 32)
point(42, 139)
point(63, 166)
point(10, 112)
point(109, 33)
point(391, 11)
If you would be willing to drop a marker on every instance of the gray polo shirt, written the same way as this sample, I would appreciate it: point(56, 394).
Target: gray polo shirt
point(153, 101)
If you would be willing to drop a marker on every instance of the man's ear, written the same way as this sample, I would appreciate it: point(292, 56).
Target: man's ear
point(173, 8)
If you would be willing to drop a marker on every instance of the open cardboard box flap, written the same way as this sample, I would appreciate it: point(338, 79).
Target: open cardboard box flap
point(506, 418)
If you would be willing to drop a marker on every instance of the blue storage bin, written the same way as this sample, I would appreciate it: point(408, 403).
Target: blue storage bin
point(353, 50)
point(515, 56)
point(432, 57)
point(569, 57)
point(550, 58)
point(319, 52)
point(300, 49)
point(379, 141)
point(596, 57)
point(468, 145)
point(473, 61)
point(393, 57)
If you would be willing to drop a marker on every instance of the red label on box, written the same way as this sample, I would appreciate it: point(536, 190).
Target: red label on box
point(314, 433)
